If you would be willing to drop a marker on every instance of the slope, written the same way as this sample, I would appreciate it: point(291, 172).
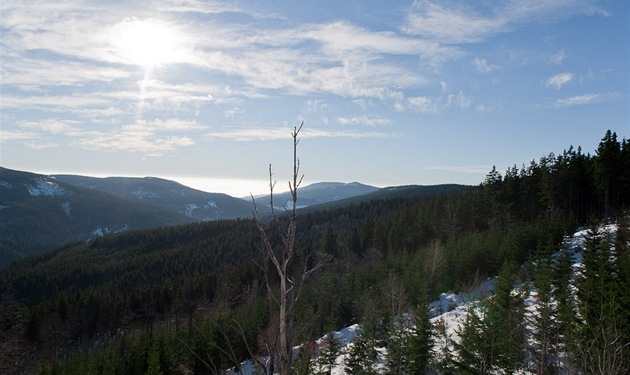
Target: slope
point(38, 213)
point(318, 193)
point(166, 194)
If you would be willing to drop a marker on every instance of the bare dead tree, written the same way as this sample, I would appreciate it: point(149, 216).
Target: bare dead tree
point(277, 259)
point(434, 260)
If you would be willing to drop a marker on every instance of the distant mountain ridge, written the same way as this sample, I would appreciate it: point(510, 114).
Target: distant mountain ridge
point(391, 192)
point(318, 193)
point(166, 194)
point(38, 213)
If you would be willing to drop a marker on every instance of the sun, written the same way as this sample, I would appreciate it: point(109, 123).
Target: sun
point(148, 43)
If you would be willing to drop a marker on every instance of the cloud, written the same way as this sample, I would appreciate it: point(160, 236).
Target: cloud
point(424, 104)
point(585, 99)
point(247, 134)
point(437, 104)
point(134, 138)
point(451, 22)
point(364, 120)
point(233, 112)
point(559, 80)
point(482, 66)
point(12, 135)
point(51, 126)
point(40, 146)
point(196, 6)
point(151, 138)
point(558, 57)
point(455, 24)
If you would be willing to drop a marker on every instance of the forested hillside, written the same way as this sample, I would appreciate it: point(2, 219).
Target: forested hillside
point(167, 194)
point(38, 213)
point(194, 298)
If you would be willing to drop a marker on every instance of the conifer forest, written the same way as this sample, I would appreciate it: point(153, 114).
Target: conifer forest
point(203, 298)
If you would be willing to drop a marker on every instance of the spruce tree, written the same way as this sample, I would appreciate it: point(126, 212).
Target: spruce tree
point(328, 355)
point(420, 340)
point(544, 348)
point(565, 303)
point(397, 357)
point(362, 355)
point(493, 335)
point(600, 348)
point(475, 349)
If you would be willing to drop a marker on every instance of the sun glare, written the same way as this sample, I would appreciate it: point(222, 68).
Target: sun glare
point(148, 43)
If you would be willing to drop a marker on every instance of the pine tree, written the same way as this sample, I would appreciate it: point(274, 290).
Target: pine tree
point(475, 350)
point(154, 359)
point(328, 355)
point(397, 344)
point(607, 168)
point(362, 355)
point(506, 318)
point(420, 340)
point(493, 336)
point(544, 320)
point(565, 302)
point(600, 348)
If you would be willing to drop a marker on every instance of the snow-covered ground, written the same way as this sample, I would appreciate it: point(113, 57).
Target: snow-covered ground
point(47, 188)
point(448, 313)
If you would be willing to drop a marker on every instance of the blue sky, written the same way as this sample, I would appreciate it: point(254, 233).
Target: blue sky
point(390, 93)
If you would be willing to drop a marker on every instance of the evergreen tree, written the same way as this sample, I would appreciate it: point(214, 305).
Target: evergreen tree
point(154, 366)
point(608, 167)
point(362, 354)
point(397, 344)
point(600, 348)
point(420, 340)
point(493, 336)
point(544, 346)
point(565, 302)
point(328, 355)
point(475, 350)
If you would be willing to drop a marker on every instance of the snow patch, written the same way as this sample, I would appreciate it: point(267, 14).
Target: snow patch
point(6, 185)
point(143, 194)
point(66, 208)
point(45, 188)
point(449, 301)
point(100, 232)
point(190, 207)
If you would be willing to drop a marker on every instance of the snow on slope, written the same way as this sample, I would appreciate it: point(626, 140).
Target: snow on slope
point(448, 313)
point(46, 188)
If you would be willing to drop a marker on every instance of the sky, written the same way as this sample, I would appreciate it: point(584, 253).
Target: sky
point(390, 93)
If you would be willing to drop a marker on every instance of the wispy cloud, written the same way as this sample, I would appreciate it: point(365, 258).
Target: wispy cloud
point(585, 99)
point(12, 135)
point(134, 138)
point(437, 104)
point(558, 57)
point(364, 120)
point(247, 134)
point(482, 66)
point(559, 80)
point(151, 138)
point(51, 126)
point(456, 23)
point(40, 145)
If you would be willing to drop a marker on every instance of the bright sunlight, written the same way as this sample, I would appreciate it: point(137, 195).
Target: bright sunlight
point(149, 43)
